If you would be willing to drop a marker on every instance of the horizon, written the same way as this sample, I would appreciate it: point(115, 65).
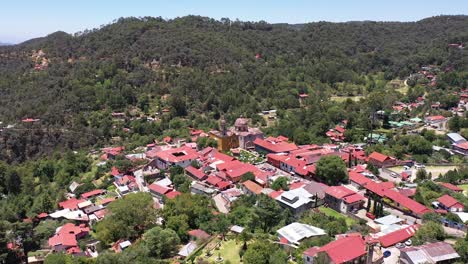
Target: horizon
point(22, 24)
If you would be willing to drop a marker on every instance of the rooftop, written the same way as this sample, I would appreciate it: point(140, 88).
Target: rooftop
point(295, 232)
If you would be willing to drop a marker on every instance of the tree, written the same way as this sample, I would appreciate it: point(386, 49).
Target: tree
point(461, 246)
point(280, 183)
point(268, 212)
point(161, 243)
point(429, 232)
point(128, 217)
point(262, 252)
point(248, 176)
point(421, 175)
point(331, 170)
point(58, 258)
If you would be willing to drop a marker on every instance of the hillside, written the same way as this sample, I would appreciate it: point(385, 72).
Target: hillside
point(209, 67)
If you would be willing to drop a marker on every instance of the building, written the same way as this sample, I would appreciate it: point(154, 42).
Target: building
point(66, 238)
point(398, 236)
point(451, 187)
point(439, 122)
point(461, 148)
point(196, 174)
point(449, 203)
point(455, 138)
point(342, 199)
point(251, 188)
point(350, 248)
point(380, 160)
point(225, 139)
point(438, 252)
point(297, 201)
point(246, 135)
point(279, 144)
point(182, 157)
point(294, 233)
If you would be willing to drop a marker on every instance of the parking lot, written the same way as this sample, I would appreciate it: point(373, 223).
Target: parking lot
point(436, 172)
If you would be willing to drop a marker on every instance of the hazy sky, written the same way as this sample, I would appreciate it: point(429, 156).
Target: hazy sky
point(24, 19)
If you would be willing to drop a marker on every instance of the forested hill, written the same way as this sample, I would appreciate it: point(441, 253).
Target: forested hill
point(209, 67)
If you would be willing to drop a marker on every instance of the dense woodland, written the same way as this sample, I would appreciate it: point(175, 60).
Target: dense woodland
point(209, 68)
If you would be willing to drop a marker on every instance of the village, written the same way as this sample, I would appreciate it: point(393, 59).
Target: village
point(377, 192)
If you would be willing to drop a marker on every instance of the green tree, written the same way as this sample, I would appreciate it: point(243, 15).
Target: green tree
point(128, 218)
point(331, 170)
point(280, 183)
point(429, 232)
point(268, 211)
point(262, 252)
point(248, 176)
point(161, 243)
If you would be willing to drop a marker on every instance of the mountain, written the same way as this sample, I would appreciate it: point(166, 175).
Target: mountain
point(211, 68)
point(5, 44)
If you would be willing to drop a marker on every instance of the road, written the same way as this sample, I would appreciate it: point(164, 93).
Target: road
point(388, 177)
point(140, 180)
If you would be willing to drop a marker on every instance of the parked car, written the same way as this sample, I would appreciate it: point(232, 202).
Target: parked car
point(408, 242)
point(419, 166)
point(370, 215)
point(394, 174)
point(400, 245)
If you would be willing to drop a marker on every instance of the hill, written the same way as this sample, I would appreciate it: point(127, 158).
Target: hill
point(210, 67)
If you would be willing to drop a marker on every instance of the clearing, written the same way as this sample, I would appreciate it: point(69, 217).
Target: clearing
point(331, 212)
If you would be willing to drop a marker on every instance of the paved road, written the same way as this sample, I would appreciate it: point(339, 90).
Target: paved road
point(140, 180)
point(385, 175)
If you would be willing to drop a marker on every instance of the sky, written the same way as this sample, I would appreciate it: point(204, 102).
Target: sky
point(21, 20)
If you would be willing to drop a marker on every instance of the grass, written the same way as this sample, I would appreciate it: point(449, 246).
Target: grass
point(465, 188)
point(228, 250)
point(331, 212)
point(340, 99)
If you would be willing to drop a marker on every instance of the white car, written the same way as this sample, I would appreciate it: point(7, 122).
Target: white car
point(393, 174)
point(408, 242)
point(419, 166)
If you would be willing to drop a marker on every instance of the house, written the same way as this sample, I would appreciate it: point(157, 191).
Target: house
point(461, 148)
point(251, 188)
point(66, 236)
point(182, 157)
point(71, 204)
point(201, 188)
point(439, 122)
point(187, 249)
point(297, 201)
point(449, 203)
point(317, 189)
point(350, 248)
point(380, 160)
point(406, 204)
point(279, 144)
point(451, 187)
point(358, 180)
point(196, 174)
point(158, 191)
point(342, 199)
point(455, 138)
point(398, 236)
point(294, 233)
point(93, 193)
point(438, 252)
point(198, 234)
point(225, 138)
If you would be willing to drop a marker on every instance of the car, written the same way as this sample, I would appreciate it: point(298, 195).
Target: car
point(406, 168)
point(387, 254)
point(419, 166)
point(370, 215)
point(408, 242)
point(400, 245)
point(394, 174)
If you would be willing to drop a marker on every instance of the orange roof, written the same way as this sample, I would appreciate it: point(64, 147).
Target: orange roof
point(253, 187)
point(378, 156)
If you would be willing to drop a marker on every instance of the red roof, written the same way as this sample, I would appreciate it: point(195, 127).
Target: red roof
point(398, 236)
point(407, 192)
point(275, 145)
point(340, 129)
point(296, 185)
point(71, 204)
point(199, 174)
point(172, 194)
point(435, 118)
point(199, 234)
point(42, 215)
point(339, 192)
point(342, 250)
point(87, 195)
point(378, 156)
point(159, 189)
point(175, 155)
point(223, 185)
point(67, 235)
point(107, 200)
point(404, 201)
point(275, 194)
point(125, 180)
point(253, 187)
point(101, 213)
point(213, 180)
point(375, 188)
point(353, 198)
point(387, 185)
point(463, 145)
point(451, 187)
point(115, 171)
point(448, 201)
point(358, 178)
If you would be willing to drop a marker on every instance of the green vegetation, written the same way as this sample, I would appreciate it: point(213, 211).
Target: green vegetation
point(331, 170)
point(330, 212)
